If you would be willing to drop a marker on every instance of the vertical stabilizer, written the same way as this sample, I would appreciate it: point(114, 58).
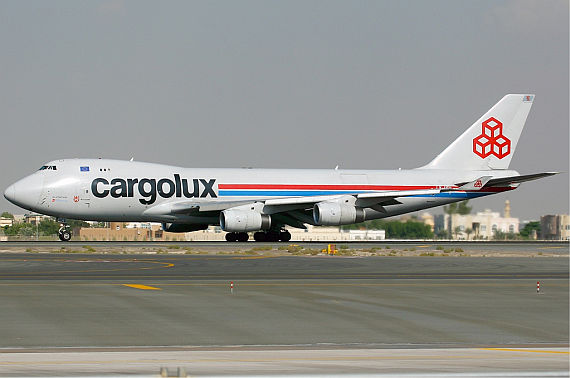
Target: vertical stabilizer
point(491, 141)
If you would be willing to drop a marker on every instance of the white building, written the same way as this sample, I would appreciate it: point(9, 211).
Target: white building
point(312, 233)
point(6, 222)
point(367, 234)
point(482, 225)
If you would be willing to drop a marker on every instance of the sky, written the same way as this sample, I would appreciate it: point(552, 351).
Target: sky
point(282, 84)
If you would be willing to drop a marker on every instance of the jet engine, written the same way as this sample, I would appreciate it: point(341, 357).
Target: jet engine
point(237, 220)
point(336, 214)
point(182, 227)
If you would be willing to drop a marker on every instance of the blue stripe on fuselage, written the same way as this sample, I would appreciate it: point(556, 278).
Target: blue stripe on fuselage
point(454, 195)
point(305, 193)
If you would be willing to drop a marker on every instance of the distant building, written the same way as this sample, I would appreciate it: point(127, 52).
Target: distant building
point(482, 225)
point(555, 227)
point(118, 231)
point(313, 233)
point(439, 223)
point(367, 234)
point(427, 219)
point(18, 218)
point(35, 218)
point(6, 222)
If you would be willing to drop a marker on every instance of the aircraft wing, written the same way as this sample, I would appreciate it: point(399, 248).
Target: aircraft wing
point(279, 205)
point(368, 199)
point(192, 207)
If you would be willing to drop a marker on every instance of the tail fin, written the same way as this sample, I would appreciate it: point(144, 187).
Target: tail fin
point(491, 141)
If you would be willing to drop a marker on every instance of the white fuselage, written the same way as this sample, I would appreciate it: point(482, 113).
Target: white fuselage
point(113, 190)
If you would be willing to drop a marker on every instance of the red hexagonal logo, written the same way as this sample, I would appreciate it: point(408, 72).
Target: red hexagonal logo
point(492, 141)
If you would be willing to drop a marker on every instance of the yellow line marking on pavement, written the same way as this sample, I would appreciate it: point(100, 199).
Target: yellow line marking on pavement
point(162, 264)
point(423, 246)
point(526, 350)
point(553, 247)
point(142, 287)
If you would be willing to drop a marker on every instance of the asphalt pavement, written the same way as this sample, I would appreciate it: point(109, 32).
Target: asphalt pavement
point(51, 302)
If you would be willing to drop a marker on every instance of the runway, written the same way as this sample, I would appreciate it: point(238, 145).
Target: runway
point(503, 246)
point(363, 307)
point(94, 267)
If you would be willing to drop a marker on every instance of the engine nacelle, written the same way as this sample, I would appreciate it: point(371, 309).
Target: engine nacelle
point(336, 214)
point(236, 220)
point(183, 227)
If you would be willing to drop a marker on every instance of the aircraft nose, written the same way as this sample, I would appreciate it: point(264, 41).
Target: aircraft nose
point(10, 193)
point(26, 192)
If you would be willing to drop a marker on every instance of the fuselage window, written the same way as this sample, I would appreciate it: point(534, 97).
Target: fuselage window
point(50, 167)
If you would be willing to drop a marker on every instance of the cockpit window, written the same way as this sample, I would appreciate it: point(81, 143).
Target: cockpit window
point(50, 167)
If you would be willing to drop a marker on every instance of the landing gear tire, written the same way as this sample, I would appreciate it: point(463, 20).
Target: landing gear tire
point(284, 236)
point(259, 236)
point(64, 235)
point(272, 236)
point(237, 237)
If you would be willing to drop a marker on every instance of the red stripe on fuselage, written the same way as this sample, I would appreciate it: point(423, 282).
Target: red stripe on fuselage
point(324, 187)
point(492, 189)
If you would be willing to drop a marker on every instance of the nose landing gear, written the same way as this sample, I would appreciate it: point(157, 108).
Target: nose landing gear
point(64, 232)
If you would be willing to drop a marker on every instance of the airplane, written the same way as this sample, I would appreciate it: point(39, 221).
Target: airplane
point(264, 201)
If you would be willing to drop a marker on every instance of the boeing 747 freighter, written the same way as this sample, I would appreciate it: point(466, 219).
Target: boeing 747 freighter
point(264, 201)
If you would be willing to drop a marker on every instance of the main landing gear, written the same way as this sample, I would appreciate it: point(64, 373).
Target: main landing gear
point(260, 236)
point(64, 232)
point(237, 236)
point(272, 236)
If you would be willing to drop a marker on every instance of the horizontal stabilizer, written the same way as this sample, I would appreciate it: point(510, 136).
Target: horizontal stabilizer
point(518, 179)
